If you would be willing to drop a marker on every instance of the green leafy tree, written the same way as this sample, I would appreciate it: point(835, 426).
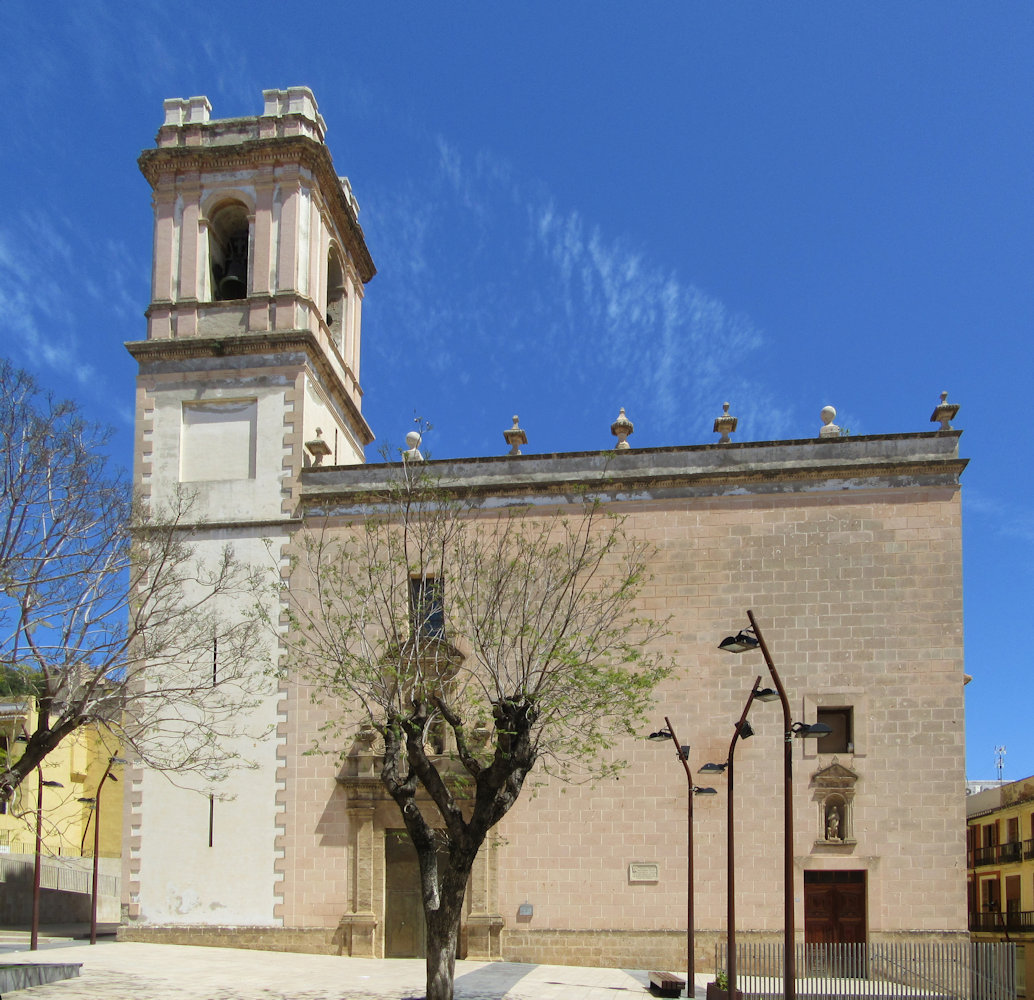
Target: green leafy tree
point(481, 646)
point(18, 681)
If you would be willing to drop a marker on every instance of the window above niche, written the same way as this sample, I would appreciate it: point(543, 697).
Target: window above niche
point(841, 721)
point(846, 710)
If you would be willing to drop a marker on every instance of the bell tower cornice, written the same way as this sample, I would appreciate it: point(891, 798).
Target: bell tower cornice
point(273, 347)
point(187, 163)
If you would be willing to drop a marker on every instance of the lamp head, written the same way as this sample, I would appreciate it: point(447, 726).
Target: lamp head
point(766, 694)
point(697, 790)
point(815, 731)
point(746, 731)
point(52, 784)
point(713, 769)
point(739, 643)
point(659, 736)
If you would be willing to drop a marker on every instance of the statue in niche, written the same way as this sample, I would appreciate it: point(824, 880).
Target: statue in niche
point(832, 823)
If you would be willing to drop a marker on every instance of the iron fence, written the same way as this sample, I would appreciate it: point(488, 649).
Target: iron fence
point(934, 971)
point(68, 876)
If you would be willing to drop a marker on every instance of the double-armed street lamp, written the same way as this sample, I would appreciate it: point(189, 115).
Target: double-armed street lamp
point(94, 802)
point(744, 731)
point(746, 640)
point(682, 752)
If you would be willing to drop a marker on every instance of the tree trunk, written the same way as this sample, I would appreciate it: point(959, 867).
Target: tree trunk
point(443, 937)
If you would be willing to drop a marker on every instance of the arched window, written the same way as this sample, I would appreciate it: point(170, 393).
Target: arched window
point(337, 299)
point(228, 233)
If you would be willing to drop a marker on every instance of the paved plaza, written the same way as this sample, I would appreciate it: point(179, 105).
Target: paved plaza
point(133, 971)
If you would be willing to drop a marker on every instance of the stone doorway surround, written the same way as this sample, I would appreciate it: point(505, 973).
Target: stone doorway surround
point(372, 813)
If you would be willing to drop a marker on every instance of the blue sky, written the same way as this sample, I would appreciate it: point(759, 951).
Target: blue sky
point(576, 207)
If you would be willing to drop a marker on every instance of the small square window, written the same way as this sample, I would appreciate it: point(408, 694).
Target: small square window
point(841, 739)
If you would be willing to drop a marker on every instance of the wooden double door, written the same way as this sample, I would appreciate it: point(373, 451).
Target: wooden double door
point(835, 907)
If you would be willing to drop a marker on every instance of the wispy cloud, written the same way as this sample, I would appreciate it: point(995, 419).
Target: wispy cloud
point(473, 260)
point(52, 307)
point(1006, 519)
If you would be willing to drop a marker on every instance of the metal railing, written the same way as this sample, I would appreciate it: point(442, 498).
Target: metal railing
point(1011, 851)
point(935, 971)
point(1001, 854)
point(62, 876)
point(995, 920)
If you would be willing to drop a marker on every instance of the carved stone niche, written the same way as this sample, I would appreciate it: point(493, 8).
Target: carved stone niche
point(833, 790)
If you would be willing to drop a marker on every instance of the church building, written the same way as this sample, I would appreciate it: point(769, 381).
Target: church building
point(847, 549)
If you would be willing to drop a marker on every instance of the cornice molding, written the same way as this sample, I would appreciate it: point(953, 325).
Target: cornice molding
point(546, 477)
point(297, 150)
point(265, 344)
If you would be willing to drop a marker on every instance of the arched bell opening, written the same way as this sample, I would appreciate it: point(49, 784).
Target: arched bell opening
point(228, 242)
point(337, 299)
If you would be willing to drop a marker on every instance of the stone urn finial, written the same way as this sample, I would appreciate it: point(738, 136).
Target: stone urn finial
point(944, 413)
point(725, 425)
point(829, 429)
point(412, 452)
point(318, 448)
point(621, 428)
point(515, 437)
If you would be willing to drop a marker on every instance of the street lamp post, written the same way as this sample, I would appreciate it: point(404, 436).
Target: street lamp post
point(741, 643)
point(691, 791)
point(37, 865)
point(743, 730)
point(37, 860)
point(95, 815)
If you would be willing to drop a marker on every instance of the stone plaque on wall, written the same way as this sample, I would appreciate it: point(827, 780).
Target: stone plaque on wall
point(644, 871)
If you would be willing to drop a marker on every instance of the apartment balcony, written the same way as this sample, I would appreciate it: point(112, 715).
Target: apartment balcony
point(1002, 854)
point(993, 920)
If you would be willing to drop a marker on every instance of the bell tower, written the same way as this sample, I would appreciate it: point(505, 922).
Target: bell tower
point(259, 267)
point(249, 373)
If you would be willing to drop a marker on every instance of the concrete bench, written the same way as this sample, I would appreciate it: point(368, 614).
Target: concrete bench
point(667, 984)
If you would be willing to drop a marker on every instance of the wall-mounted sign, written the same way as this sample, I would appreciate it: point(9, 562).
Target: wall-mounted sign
point(644, 871)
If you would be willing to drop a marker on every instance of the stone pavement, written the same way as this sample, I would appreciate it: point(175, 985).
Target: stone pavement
point(127, 970)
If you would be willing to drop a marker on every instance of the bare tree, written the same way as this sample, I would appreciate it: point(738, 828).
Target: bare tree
point(108, 614)
point(480, 646)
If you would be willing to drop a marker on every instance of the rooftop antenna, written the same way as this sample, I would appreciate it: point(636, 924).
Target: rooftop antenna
point(1000, 761)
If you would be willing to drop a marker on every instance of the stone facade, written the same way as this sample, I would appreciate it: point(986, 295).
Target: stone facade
point(848, 550)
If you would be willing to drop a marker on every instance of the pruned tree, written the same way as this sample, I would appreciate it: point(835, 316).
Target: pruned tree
point(480, 645)
point(108, 614)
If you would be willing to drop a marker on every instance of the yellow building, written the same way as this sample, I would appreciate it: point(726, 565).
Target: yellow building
point(71, 775)
point(1000, 859)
